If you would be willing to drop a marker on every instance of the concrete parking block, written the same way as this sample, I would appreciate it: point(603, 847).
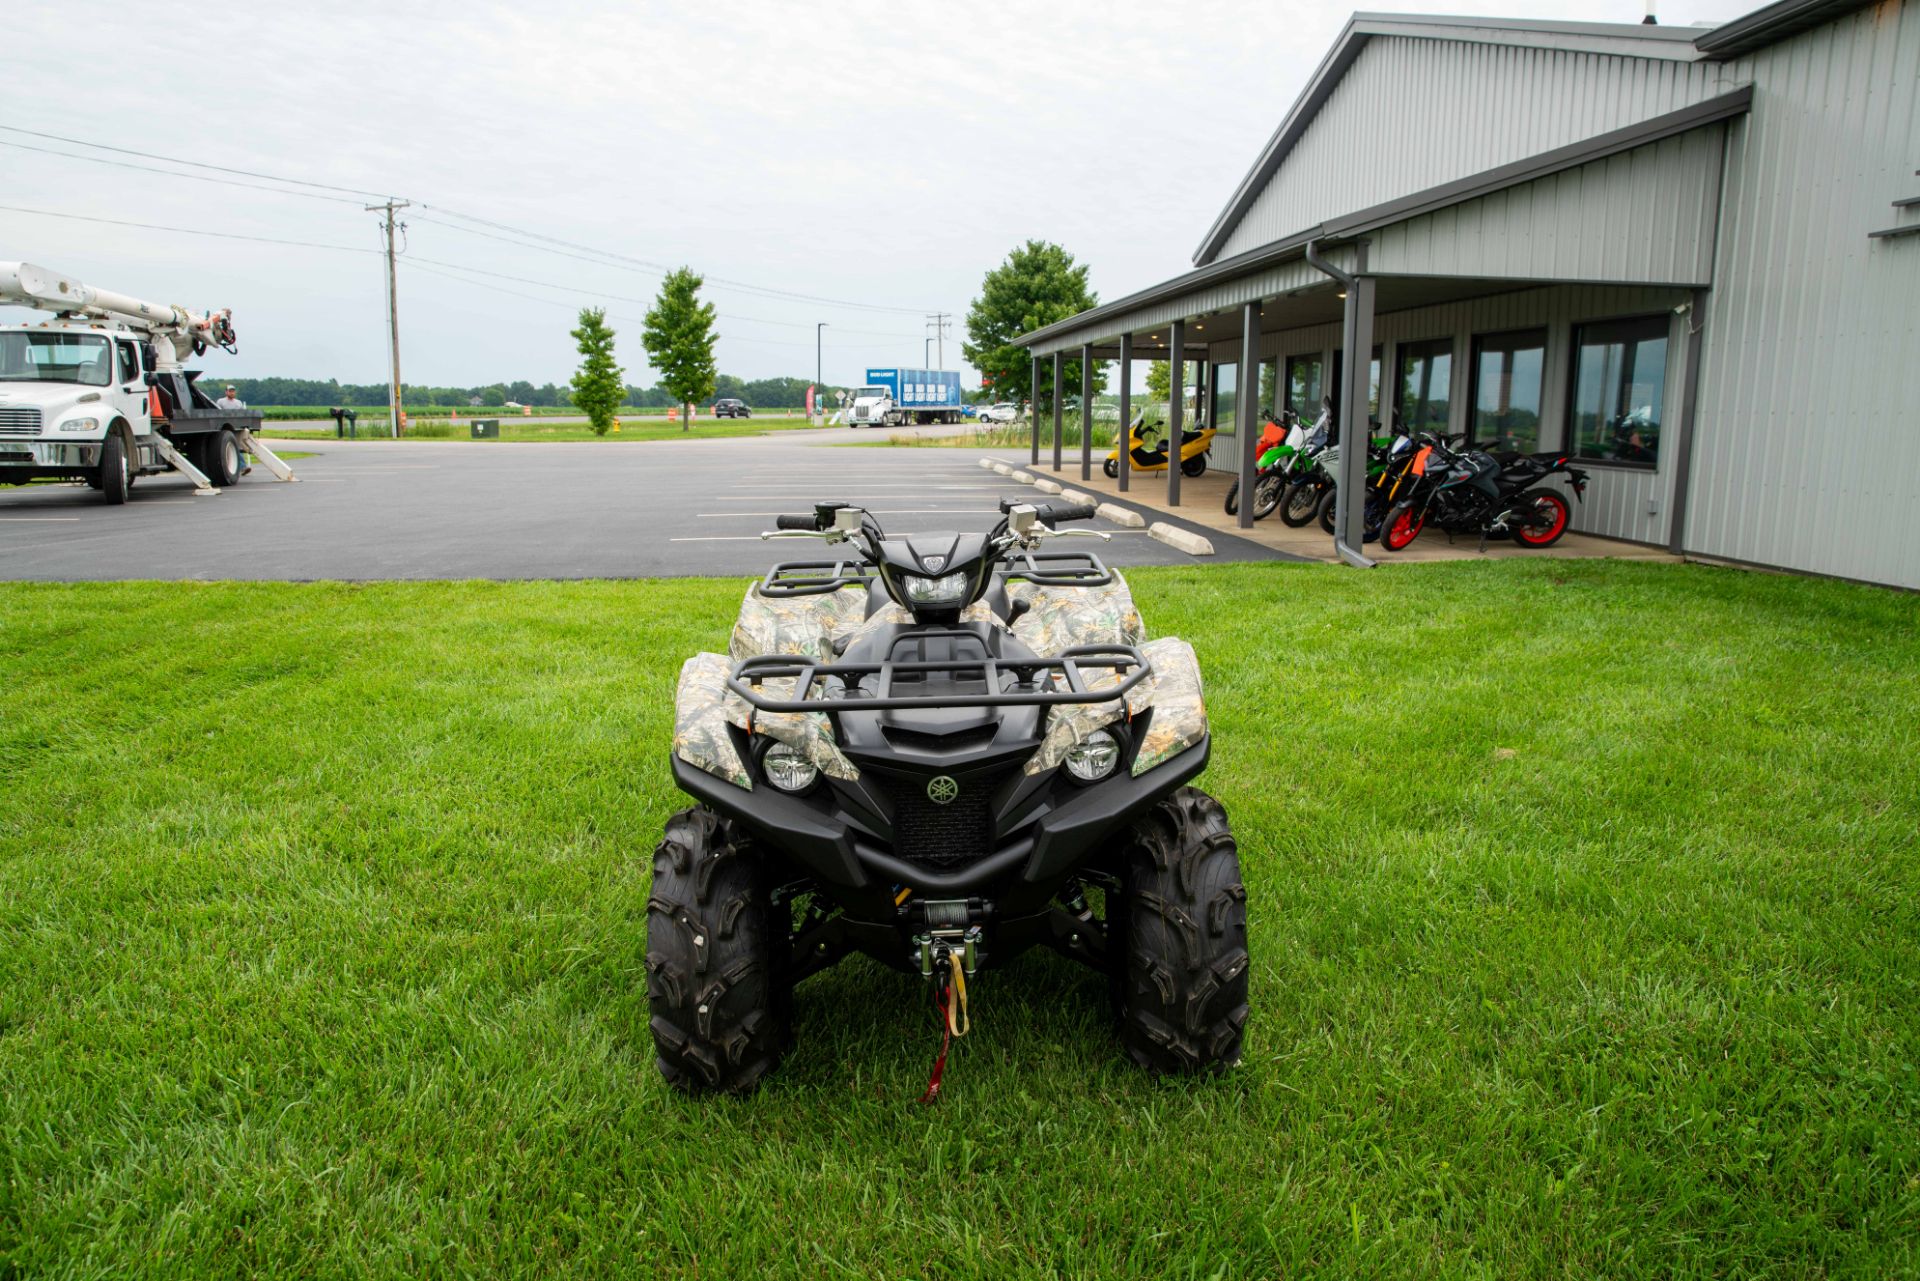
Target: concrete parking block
point(1046, 486)
point(1075, 496)
point(1121, 515)
point(1180, 539)
point(1024, 477)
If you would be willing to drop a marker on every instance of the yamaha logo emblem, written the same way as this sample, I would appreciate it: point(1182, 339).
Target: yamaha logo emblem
point(934, 564)
point(942, 790)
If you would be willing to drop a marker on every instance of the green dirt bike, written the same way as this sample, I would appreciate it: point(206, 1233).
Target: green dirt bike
point(1281, 456)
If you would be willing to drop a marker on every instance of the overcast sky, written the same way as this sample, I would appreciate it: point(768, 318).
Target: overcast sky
point(866, 153)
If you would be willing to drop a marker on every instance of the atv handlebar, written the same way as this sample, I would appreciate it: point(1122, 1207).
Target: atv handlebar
point(1050, 513)
point(796, 522)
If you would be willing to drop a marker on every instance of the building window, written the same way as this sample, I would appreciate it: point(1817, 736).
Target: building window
point(1619, 389)
point(1268, 402)
point(1424, 384)
point(1225, 380)
point(1508, 370)
point(1373, 385)
point(1305, 385)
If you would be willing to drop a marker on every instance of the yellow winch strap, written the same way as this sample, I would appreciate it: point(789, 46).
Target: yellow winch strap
point(958, 1022)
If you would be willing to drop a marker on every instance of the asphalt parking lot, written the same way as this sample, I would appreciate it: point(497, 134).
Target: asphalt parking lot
point(455, 509)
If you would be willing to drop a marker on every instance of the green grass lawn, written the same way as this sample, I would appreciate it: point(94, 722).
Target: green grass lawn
point(1582, 906)
point(512, 429)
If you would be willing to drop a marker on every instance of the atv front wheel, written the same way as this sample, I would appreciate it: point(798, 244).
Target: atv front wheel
point(1178, 939)
point(721, 1014)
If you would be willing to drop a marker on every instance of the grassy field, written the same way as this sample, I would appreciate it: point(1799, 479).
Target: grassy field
point(517, 429)
point(990, 436)
point(1584, 904)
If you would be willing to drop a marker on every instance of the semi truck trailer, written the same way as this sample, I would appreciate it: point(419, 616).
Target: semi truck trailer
point(892, 397)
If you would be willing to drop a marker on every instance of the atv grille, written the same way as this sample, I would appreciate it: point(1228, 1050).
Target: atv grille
point(942, 836)
point(19, 422)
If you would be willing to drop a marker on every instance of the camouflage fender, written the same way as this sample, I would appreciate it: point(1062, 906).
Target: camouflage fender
point(1058, 618)
point(1179, 711)
point(700, 716)
point(799, 625)
point(1173, 692)
point(807, 732)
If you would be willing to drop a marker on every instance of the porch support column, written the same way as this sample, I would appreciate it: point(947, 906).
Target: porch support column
point(1350, 496)
point(1033, 410)
point(1059, 366)
point(1086, 411)
point(1247, 404)
point(1176, 407)
point(1126, 410)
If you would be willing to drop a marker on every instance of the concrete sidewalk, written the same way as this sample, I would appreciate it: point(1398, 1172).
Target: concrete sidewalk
point(1203, 503)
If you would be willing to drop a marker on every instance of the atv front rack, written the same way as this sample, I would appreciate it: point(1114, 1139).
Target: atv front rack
point(1036, 681)
point(1042, 569)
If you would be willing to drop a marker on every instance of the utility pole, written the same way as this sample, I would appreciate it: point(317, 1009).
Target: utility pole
point(938, 323)
point(393, 315)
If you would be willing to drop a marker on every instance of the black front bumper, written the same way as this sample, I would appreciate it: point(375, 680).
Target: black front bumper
point(1020, 875)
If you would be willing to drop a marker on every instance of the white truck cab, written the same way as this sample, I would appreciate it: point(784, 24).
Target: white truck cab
point(98, 394)
point(873, 407)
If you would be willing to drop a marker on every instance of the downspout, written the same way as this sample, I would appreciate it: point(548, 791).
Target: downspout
point(1353, 409)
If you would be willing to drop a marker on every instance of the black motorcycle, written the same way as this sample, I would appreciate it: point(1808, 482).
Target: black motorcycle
point(1473, 492)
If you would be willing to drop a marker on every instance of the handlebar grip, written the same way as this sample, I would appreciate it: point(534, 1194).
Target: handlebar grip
point(1068, 511)
point(795, 522)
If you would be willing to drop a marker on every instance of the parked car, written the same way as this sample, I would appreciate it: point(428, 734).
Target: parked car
point(969, 411)
point(731, 408)
point(1004, 411)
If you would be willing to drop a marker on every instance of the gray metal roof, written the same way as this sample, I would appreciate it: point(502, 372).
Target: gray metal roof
point(1646, 40)
point(1776, 22)
point(1596, 37)
point(1361, 221)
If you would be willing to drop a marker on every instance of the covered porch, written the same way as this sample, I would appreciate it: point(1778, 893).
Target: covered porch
point(1546, 305)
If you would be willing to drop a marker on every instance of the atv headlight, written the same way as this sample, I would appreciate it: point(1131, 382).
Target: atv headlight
point(788, 769)
point(950, 589)
point(1093, 757)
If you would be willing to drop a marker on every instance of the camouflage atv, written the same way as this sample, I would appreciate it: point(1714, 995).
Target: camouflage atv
point(941, 750)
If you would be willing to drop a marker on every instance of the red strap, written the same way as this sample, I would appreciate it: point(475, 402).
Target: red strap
point(940, 999)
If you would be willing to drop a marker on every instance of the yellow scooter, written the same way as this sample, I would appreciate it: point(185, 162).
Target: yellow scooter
point(1144, 457)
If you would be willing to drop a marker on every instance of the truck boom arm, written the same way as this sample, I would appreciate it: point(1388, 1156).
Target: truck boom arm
point(176, 333)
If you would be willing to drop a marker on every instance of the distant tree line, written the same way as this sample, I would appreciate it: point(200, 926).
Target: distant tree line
point(766, 392)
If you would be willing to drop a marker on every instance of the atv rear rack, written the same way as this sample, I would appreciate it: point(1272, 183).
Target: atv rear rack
point(1043, 569)
point(1029, 689)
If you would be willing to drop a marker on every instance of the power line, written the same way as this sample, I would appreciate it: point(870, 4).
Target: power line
point(418, 264)
point(604, 257)
point(193, 164)
point(173, 173)
point(184, 231)
point(600, 254)
point(601, 293)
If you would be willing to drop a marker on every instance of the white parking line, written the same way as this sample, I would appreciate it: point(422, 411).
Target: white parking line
point(28, 518)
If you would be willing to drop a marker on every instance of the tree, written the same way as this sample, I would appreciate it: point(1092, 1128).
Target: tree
point(1160, 380)
point(493, 397)
point(598, 388)
point(1037, 285)
point(679, 338)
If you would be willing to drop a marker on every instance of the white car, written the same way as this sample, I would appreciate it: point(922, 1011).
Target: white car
point(1003, 412)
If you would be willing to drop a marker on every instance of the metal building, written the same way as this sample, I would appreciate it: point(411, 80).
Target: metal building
point(1689, 256)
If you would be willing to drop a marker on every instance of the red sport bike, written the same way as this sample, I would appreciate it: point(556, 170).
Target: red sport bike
point(1473, 492)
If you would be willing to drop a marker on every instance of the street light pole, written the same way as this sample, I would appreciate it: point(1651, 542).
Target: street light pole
point(923, 353)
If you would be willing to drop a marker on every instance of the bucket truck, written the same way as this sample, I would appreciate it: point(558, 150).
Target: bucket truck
point(98, 393)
